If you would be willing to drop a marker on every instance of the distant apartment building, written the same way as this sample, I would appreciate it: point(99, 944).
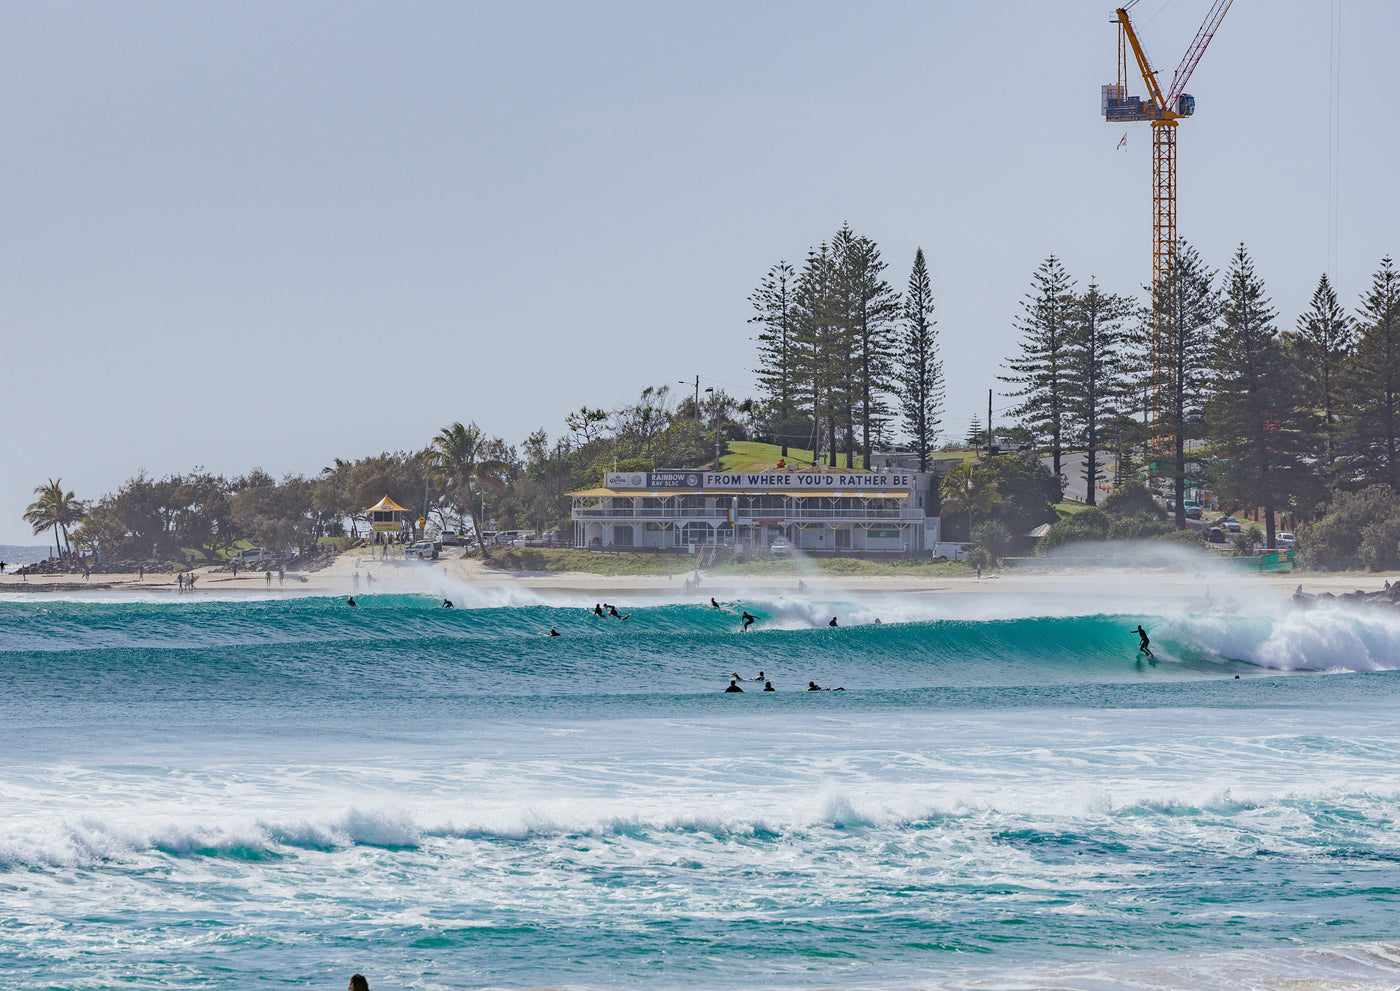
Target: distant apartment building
point(813, 510)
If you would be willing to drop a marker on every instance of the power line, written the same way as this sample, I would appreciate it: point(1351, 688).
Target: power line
point(1334, 134)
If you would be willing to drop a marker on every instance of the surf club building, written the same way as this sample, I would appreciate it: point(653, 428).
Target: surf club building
point(812, 510)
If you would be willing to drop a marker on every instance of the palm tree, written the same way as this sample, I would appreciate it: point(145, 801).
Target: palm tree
point(456, 459)
point(966, 488)
point(54, 510)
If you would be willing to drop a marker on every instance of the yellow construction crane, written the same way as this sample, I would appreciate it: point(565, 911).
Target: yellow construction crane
point(1163, 111)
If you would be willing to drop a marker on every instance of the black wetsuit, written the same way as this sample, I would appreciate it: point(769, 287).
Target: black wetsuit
point(733, 688)
point(748, 620)
point(1143, 647)
point(833, 621)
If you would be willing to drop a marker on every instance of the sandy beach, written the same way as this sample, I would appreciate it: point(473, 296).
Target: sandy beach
point(441, 576)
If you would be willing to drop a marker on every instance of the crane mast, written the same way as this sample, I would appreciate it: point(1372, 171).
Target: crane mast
point(1163, 112)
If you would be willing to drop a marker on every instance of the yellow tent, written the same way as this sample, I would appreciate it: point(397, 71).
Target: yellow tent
point(386, 515)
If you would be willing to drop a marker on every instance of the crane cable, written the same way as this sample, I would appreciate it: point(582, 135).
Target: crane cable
point(1334, 135)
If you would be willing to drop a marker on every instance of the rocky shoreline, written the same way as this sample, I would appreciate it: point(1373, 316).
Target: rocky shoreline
point(1388, 596)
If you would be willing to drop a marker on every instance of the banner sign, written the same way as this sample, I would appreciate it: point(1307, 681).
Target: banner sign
point(794, 481)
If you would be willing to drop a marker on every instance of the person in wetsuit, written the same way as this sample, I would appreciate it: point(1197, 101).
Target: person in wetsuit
point(447, 604)
point(350, 602)
point(713, 602)
point(554, 633)
point(597, 609)
point(768, 687)
point(733, 687)
point(1143, 647)
point(833, 621)
point(748, 621)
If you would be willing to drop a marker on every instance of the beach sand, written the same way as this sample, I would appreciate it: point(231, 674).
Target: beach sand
point(439, 577)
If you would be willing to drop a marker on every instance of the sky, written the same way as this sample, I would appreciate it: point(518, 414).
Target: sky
point(270, 235)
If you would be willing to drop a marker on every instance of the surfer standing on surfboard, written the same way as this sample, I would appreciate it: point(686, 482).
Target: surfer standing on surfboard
point(1143, 647)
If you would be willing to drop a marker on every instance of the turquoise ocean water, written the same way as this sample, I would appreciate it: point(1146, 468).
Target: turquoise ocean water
point(277, 793)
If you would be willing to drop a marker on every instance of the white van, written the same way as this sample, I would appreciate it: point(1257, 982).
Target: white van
point(251, 554)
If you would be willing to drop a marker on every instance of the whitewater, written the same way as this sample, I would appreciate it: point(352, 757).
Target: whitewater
point(269, 792)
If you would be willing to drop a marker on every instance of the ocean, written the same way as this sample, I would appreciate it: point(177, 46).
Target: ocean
point(267, 792)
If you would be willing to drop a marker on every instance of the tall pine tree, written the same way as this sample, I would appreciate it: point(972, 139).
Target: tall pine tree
point(1321, 345)
point(1095, 373)
point(821, 362)
point(775, 315)
point(918, 369)
point(1039, 370)
point(1372, 382)
point(1175, 339)
point(872, 307)
point(1256, 436)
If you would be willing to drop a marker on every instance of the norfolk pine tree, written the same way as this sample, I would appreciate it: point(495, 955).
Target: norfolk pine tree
point(873, 306)
point(1372, 382)
point(820, 352)
point(1094, 372)
point(1255, 427)
point(773, 303)
point(1175, 338)
point(1322, 343)
point(1039, 370)
point(919, 372)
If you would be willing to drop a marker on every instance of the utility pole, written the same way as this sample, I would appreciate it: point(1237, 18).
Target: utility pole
point(989, 423)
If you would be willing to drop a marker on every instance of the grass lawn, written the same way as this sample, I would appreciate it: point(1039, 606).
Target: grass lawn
point(602, 563)
point(750, 455)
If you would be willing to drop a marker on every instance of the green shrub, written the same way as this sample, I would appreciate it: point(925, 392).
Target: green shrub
point(1133, 499)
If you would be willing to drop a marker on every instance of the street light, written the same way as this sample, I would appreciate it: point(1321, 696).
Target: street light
point(697, 393)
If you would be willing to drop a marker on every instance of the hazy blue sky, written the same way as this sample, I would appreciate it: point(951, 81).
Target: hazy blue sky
point(272, 234)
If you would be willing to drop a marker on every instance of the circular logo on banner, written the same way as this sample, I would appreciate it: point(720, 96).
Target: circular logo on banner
point(693, 480)
point(636, 481)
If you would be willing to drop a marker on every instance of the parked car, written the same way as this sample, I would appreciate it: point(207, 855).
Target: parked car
point(1215, 535)
point(251, 554)
point(1284, 540)
point(449, 538)
point(1230, 524)
point(1193, 511)
point(780, 547)
point(423, 550)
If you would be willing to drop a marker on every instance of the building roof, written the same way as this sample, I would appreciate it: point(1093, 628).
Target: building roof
point(386, 505)
point(800, 494)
